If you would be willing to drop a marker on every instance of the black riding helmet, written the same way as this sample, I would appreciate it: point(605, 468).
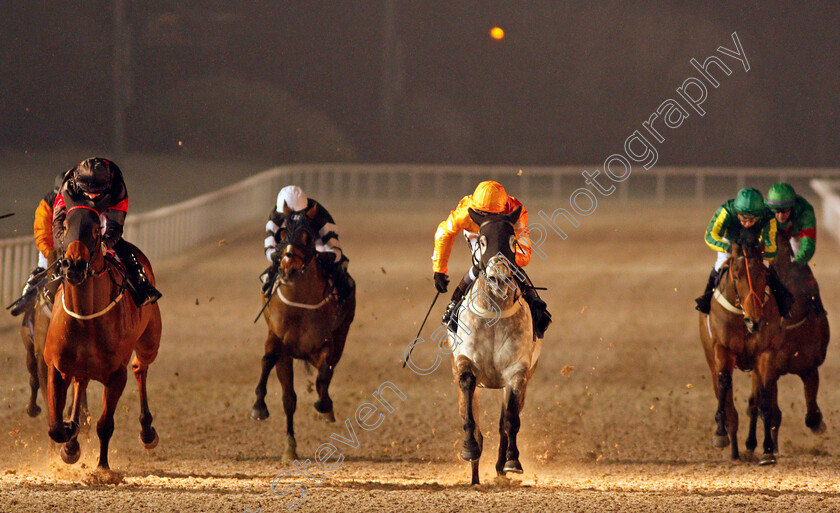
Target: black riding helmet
point(94, 175)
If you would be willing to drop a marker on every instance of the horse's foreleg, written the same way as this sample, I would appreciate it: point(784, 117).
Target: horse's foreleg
point(814, 417)
point(514, 395)
point(57, 395)
point(33, 410)
point(471, 449)
point(148, 436)
point(260, 411)
point(285, 373)
point(71, 451)
point(324, 405)
point(726, 417)
point(768, 407)
point(503, 443)
point(752, 413)
point(105, 426)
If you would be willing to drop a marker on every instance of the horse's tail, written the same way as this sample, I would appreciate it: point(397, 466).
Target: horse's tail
point(307, 367)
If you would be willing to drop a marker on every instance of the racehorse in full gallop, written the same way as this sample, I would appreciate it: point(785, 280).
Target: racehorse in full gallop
point(805, 341)
point(494, 346)
point(305, 321)
point(95, 327)
point(743, 330)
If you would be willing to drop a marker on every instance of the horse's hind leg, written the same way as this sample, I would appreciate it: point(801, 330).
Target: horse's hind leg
point(514, 399)
point(105, 426)
point(285, 374)
point(71, 451)
point(148, 436)
point(814, 417)
point(260, 411)
point(324, 404)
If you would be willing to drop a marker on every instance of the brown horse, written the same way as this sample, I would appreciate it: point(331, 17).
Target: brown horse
point(805, 340)
point(304, 321)
point(94, 329)
point(743, 330)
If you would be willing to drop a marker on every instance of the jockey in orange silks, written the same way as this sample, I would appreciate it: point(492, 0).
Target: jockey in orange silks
point(489, 196)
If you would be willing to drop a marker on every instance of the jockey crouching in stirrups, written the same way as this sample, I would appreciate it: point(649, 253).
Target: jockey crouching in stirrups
point(746, 212)
point(290, 200)
point(98, 184)
point(489, 196)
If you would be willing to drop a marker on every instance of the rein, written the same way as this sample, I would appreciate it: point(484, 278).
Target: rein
point(737, 307)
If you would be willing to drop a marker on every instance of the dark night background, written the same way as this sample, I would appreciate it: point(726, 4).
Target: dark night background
point(292, 81)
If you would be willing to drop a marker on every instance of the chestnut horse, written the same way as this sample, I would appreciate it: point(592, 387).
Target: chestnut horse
point(743, 330)
point(95, 327)
point(305, 322)
point(805, 340)
point(494, 346)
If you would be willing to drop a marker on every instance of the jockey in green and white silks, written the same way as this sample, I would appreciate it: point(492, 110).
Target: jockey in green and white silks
point(745, 212)
point(796, 219)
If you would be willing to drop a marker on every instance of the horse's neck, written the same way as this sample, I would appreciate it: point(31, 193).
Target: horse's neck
point(309, 288)
point(502, 303)
point(93, 293)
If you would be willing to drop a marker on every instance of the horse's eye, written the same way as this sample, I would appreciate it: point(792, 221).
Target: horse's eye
point(482, 243)
point(512, 243)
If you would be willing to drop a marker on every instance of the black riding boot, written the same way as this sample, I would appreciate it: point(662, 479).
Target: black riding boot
point(704, 302)
point(29, 293)
point(457, 295)
point(143, 292)
point(539, 313)
point(784, 299)
point(341, 279)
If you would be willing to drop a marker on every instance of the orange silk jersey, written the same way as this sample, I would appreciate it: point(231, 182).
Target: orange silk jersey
point(43, 228)
point(459, 220)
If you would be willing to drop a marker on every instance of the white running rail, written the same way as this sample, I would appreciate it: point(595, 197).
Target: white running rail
point(171, 230)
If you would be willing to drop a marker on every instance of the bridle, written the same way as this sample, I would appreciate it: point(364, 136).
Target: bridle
point(88, 271)
point(296, 225)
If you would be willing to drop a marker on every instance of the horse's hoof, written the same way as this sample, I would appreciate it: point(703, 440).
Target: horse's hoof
point(70, 452)
point(258, 413)
point(290, 453)
point(326, 417)
point(470, 451)
point(513, 466)
point(102, 476)
point(33, 410)
point(819, 429)
point(59, 435)
point(767, 459)
point(720, 441)
point(154, 439)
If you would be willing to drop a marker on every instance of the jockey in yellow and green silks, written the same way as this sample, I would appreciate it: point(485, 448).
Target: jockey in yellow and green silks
point(796, 220)
point(744, 213)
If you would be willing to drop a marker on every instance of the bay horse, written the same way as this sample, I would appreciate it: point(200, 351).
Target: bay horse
point(743, 330)
point(305, 322)
point(805, 341)
point(493, 345)
point(95, 327)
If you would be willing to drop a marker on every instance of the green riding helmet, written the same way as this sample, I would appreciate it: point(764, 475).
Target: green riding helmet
point(749, 202)
point(781, 195)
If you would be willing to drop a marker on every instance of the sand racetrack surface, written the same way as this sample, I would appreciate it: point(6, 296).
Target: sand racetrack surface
point(619, 415)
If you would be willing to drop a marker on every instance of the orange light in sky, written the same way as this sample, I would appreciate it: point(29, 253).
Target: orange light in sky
point(497, 33)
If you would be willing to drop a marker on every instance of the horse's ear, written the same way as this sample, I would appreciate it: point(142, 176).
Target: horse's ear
point(735, 250)
point(514, 215)
point(286, 209)
point(477, 217)
point(312, 211)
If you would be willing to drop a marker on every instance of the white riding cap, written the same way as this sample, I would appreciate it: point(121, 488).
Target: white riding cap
point(293, 196)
